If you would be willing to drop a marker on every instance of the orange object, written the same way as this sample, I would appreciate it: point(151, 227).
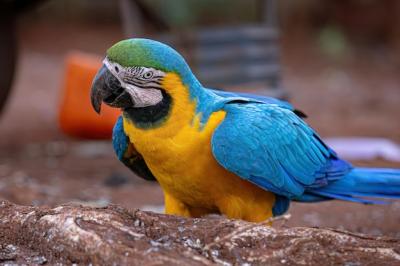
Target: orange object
point(76, 115)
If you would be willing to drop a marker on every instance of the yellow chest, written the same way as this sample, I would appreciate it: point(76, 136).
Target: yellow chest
point(183, 162)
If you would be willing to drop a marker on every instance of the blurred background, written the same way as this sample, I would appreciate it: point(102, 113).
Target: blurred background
point(338, 61)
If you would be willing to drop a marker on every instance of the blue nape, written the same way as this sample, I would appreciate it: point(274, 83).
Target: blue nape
point(261, 98)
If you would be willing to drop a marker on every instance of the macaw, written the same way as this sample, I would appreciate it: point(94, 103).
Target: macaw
point(241, 155)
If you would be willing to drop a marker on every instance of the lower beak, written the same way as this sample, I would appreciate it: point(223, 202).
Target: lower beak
point(107, 88)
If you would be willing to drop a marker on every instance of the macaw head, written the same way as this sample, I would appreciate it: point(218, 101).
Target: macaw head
point(142, 76)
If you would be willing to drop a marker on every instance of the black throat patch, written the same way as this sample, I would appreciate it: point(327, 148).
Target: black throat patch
point(150, 116)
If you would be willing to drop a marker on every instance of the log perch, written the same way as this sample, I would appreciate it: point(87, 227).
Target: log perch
point(116, 236)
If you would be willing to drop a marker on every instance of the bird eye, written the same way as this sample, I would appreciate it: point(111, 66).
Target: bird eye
point(148, 75)
point(116, 69)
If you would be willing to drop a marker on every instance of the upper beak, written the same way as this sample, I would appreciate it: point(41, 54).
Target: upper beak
point(98, 88)
point(107, 88)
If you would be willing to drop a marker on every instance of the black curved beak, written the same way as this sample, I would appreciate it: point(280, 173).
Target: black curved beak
point(107, 88)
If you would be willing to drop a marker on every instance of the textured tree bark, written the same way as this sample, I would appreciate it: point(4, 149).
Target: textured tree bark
point(113, 235)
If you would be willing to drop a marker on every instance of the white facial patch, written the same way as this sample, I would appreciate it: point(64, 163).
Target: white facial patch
point(140, 82)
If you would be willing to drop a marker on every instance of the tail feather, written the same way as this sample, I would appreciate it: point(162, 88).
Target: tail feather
point(329, 196)
point(362, 184)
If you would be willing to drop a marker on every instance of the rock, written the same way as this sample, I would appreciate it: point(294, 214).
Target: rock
point(112, 235)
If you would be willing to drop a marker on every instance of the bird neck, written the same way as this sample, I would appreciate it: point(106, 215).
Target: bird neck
point(150, 116)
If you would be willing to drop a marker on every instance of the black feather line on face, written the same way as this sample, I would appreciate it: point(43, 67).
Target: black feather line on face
point(138, 82)
point(150, 116)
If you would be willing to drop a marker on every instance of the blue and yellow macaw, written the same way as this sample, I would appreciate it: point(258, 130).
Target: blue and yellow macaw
point(241, 155)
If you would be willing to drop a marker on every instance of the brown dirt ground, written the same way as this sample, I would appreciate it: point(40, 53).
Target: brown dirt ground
point(357, 96)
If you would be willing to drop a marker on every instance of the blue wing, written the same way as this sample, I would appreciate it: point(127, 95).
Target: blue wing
point(273, 148)
point(127, 153)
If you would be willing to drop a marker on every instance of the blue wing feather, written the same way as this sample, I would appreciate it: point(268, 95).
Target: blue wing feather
point(127, 153)
point(270, 146)
point(119, 139)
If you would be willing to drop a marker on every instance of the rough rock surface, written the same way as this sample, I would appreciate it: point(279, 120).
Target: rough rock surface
point(115, 236)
